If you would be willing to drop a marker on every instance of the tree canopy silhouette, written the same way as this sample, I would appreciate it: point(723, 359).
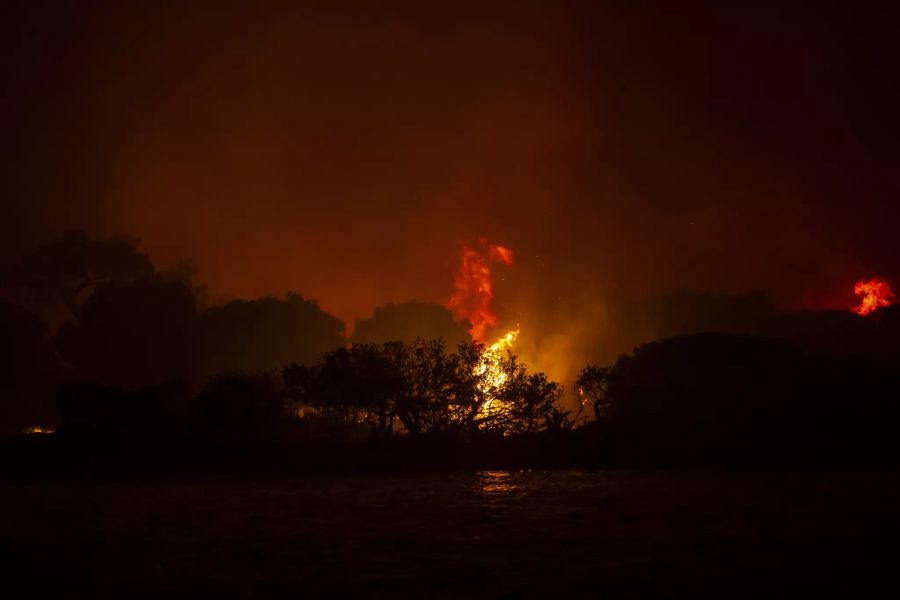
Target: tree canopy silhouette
point(407, 321)
point(266, 334)
point(133, 334)
point(70, 267)
point(419, 389)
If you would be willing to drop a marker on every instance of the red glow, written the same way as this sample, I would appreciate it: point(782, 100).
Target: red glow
point(874, 294)
point(499, 253)
point(473, 291)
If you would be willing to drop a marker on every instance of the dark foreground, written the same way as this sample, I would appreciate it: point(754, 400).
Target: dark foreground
point(492, 534)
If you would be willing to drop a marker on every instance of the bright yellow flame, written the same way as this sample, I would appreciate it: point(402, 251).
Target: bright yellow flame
point(507, 341)
point(489, 367)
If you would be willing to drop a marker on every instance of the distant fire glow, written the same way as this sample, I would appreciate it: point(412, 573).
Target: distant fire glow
point(473, 290)
point(874, 294)
point(38, 430)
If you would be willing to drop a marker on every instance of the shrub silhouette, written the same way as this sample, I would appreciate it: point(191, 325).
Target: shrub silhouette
point(240, 407)
point(149, 424)
point(724, 398)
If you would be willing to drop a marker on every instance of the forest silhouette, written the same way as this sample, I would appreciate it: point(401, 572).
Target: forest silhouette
point(134, 368)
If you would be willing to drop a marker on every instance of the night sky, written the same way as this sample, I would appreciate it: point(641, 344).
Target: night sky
point(344, 150)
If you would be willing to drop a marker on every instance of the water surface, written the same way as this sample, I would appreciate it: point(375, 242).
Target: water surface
point(482, 534)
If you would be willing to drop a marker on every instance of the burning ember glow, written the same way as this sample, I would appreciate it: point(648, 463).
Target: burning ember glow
point(473, 291)
point(874, 294)
point(38, 430)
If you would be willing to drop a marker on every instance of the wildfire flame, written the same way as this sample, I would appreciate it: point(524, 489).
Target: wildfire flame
point(874, 294)
point(494, 352)
point(471, 300)
point(473, 290)
point(494, 376)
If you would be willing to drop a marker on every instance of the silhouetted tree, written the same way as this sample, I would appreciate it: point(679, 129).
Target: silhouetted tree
point(592, 385)
point(348, 390)
point(71, 267)
point(29, 371)
point(408, 321)
point(133, 335)
point(526, 402)
point(437, 396)
point(266, 334)
point(186, 272)
point(420, 389)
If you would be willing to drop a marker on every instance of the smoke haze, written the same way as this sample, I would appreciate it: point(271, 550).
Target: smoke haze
point(344, 151)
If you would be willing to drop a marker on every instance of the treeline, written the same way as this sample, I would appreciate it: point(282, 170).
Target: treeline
point(84, 310)
point(366, 393)
point(710, 399)
point(129, 359)
point(133, 340)
point(420, 389)
point(688, 312)
point(724, 399)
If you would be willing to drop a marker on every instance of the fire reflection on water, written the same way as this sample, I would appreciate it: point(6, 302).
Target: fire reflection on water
point(496, 485)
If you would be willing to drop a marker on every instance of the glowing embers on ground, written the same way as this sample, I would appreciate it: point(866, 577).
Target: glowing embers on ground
point(38, 430)
point(874, 294)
